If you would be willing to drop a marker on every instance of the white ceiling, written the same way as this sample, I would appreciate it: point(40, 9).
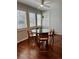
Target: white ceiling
point(37, 3)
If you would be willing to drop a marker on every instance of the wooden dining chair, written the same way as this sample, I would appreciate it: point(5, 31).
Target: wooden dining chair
point(51, 35)
point(43, 37)
point(31, 38)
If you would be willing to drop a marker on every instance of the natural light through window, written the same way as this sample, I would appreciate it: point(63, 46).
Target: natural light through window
point(38, 19)
point(21, 19)
point(32, 19)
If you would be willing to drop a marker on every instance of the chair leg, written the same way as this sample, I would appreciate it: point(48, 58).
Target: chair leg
point(46, 44)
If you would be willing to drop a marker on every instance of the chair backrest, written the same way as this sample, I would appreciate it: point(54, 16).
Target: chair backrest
point(43, 35)
point(30, 33)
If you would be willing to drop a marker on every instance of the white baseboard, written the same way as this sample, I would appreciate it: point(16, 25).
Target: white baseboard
point(22, 39)
point(59, 33)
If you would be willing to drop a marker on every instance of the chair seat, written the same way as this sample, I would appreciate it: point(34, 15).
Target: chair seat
point(43, 39)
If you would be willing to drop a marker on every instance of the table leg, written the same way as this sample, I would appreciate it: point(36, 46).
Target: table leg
point(46, 43)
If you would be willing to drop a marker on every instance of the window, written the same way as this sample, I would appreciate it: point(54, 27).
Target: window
point(39, 22)
point(45, 22)
point(32, 19)
point(21, 19)
point(38, 19)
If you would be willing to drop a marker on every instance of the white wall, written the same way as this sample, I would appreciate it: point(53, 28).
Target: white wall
point(54, 15)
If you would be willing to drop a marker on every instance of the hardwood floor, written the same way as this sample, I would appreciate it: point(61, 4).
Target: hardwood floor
point(29, 50)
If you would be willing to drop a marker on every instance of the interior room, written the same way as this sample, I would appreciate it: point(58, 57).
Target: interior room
point(39, 29)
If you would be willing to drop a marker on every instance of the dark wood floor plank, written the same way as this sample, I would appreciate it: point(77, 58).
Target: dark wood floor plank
point(27, 50)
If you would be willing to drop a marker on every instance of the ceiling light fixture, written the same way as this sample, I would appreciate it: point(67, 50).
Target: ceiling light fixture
point(41, 5)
